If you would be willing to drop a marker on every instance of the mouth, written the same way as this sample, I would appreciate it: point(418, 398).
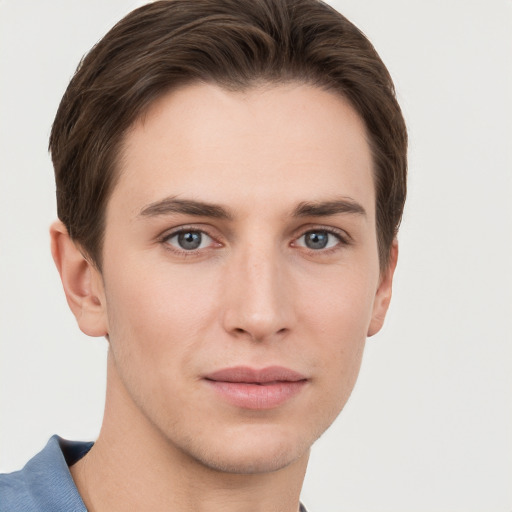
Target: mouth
point(250, 388)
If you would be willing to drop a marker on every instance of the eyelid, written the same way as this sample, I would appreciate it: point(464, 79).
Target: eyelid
point(200, 228)
point(338, 232)
point(344, 239)
point(170, 233)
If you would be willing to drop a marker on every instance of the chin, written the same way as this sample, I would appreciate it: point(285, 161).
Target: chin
point(252, 461)
point(262, 452)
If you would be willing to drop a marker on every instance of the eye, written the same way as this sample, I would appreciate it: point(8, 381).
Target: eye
point(189, 240)
point(319, 239)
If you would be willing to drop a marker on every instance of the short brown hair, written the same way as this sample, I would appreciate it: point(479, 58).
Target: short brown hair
point(235, 44)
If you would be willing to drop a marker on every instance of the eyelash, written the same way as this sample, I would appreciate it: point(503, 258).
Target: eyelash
point(164, 240)
point(343, 238)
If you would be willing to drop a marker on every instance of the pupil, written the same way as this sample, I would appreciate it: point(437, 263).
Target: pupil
point(316, 240)
point(189, 240)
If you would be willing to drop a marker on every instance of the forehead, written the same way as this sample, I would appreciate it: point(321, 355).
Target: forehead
point(278, 144)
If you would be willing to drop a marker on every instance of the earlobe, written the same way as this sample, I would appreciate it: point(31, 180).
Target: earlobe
point(384, 291)
point(81, 281)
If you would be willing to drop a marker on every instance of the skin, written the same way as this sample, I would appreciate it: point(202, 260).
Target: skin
point(252, 294)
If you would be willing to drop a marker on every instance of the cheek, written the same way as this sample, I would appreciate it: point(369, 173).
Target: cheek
point(338, 319)
point(342, 303)
point(155, 312)
point(153, 320)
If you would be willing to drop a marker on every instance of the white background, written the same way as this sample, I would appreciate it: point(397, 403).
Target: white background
point(429, 425)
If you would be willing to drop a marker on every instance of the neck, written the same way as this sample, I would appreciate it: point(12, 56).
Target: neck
point(133, 466)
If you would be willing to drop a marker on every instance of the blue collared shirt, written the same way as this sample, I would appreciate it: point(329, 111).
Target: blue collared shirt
point(45, 483)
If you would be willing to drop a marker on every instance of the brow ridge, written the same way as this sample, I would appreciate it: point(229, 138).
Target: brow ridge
point(171, 205)
point(185, 206)
point(328, 208)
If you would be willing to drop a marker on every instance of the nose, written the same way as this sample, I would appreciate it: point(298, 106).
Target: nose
point(258, 296)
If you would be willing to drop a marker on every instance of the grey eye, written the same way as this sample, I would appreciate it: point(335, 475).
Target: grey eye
point(316, 239)
point(189, 240)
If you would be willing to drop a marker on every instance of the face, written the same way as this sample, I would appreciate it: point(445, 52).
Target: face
point(240, 271)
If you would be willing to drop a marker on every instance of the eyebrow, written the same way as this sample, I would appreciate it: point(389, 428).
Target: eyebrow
point(186, 207)
point(171, 205)
point(327, 208)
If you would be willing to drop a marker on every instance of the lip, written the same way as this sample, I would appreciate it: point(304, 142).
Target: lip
point(250, 388)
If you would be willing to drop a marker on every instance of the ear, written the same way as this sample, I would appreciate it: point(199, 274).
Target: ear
point(383, 295)
point(82, 282)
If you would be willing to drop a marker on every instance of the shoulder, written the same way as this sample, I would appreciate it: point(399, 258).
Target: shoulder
point(14, 493)
point(45, 482)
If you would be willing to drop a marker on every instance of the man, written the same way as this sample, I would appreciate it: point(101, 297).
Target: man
point(230, 180)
